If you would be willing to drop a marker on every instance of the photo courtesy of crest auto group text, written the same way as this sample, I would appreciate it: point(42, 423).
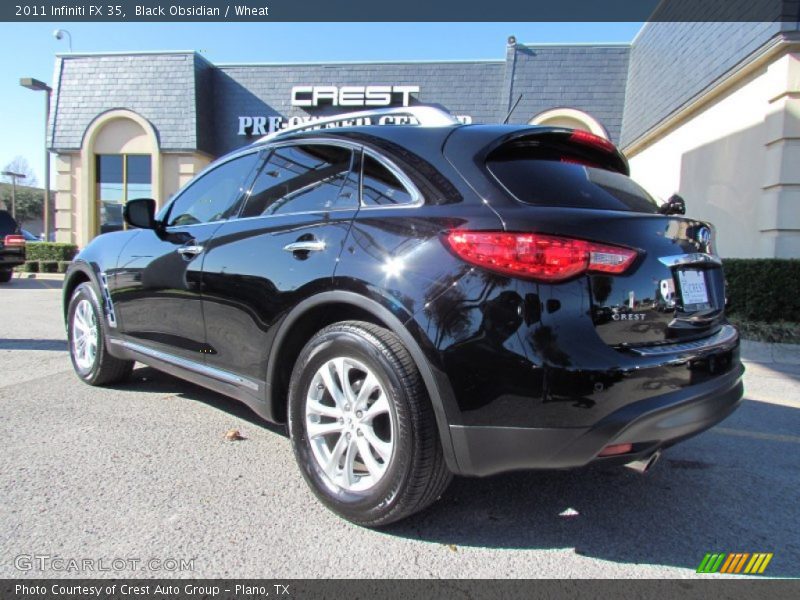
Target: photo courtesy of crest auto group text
point(315, 301)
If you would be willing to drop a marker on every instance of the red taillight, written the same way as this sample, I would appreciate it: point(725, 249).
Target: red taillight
point(615, 449)
point(543, 257)
point(589, 139)
point(14, 240)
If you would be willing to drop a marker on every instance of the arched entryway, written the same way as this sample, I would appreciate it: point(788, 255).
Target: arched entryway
point(120, 161)
point(572, 118)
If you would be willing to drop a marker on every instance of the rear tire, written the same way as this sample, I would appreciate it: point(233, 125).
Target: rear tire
point(86, 335)
point(5, 276)
point(374, 454)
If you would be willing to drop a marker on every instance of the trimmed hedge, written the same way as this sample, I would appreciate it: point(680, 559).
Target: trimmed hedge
point(50, 251)
point(48, 266)
point(30, 266)
point(63, 265)
point(763, 289)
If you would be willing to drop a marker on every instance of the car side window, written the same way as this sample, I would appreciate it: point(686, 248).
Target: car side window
point(304, 178)
point(381, 187)
point(214, 196)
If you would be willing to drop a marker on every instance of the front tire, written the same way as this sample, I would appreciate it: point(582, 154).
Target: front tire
point(362, 426)
point(86, 335)
point(5, 276)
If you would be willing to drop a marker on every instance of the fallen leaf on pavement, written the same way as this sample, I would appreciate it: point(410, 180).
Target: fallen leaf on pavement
point(233, 435)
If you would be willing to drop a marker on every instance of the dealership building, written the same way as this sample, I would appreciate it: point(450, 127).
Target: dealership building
point(708, 110)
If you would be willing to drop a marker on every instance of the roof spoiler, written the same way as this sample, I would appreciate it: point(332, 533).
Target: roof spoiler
point(425, 116)
point(597, 150)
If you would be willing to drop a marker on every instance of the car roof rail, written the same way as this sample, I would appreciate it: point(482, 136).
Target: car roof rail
point(426, 116)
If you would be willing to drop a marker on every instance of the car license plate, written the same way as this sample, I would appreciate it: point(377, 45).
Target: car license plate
point(693, 289)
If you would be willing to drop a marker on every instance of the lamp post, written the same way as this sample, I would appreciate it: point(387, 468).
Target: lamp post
point(14, 176)
point(40, 86)
point(60, 33)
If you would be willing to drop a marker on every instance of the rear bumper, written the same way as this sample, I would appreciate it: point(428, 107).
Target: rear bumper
point(9, 260)
point(650, 424)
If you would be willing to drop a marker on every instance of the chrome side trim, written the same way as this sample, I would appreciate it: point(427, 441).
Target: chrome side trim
point(724, 336)
point(111, 316)
point(695, 258)
point(187, 364)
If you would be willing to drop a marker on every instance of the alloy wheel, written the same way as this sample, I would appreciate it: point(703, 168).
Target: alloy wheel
point(84, 335)
point(350, 423)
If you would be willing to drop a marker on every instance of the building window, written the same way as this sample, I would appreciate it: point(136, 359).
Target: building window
point(120, 177)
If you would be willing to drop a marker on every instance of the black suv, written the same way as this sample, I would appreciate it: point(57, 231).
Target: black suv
point(12, 246)
point(417, 301)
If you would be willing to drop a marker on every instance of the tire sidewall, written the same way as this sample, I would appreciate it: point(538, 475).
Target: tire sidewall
point(373, 503)
point(86, 292)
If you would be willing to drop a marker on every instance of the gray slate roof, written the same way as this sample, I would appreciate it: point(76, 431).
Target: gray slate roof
point(160, 87)
point(589, 78)
point(195, 105)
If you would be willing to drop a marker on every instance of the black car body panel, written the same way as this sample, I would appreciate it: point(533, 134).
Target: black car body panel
point(11, 255)
point(521, 373)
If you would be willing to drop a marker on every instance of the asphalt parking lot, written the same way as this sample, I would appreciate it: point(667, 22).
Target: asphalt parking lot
point(143, 471)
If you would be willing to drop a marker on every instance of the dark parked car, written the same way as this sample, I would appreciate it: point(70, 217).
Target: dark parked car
point(417, 301)
point(12, 246)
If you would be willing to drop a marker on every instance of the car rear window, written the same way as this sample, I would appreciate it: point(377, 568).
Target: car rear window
point(553, 179)
point(7, 223)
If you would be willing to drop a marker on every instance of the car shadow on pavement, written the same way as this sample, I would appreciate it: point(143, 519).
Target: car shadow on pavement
point(731, 489)
point(147, 379)
point(723, 491)
point(32, 344)
point(20, 283)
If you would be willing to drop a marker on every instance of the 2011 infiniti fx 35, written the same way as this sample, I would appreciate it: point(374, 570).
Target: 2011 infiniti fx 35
point(421, 300)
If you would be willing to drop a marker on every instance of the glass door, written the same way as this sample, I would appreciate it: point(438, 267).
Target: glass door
point(119, 178)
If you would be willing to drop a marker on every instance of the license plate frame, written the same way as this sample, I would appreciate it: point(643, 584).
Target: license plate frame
point(693, 287)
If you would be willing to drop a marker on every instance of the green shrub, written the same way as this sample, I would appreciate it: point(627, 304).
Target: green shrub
point(50, 251)
point(29, 266)
point(63, 265)
point(48, 266)
point(763, 289)
point(780, 332)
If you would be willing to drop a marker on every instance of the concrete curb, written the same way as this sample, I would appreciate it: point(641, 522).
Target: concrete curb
point(56, 276)
point(763, 352)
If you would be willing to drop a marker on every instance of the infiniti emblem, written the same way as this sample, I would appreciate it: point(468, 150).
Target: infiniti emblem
point(704, 235)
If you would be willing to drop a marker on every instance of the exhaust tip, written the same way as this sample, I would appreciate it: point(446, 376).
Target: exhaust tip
point(643, 465)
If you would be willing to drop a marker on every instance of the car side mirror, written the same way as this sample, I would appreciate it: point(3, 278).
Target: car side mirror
point(140, 213)
point(674, 206)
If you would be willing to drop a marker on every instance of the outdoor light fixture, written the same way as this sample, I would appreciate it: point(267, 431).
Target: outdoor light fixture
point(59, 35)
point(14, 176)
point(40, 86)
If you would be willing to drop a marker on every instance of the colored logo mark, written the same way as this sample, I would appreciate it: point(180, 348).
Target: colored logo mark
point(742, 563)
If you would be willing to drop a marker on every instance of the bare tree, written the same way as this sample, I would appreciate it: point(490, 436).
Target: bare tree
point(20, 165)
point(29, 200)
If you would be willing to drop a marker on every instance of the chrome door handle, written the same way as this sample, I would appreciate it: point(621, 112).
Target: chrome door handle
point(190, 250)
point(308, 246)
